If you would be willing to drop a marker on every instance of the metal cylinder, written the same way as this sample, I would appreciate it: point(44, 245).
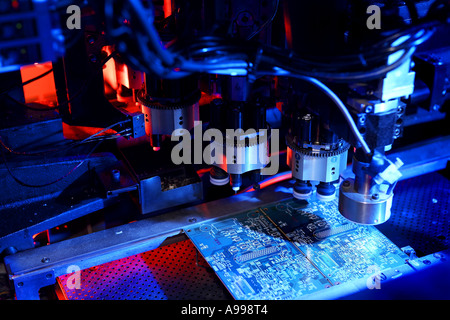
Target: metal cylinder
point(169, 105)
point(363, 208)
point(317, 164)
point(164, 119)
point(218, 177)
point(244, 146)
point(240, 158)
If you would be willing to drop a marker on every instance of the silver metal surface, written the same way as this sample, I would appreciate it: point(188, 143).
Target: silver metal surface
point(423, 157)
point(363, 208)
point(239, 159)
point(167, 120)
point(362, 105)
point(398, 82)
point(152, 198)
point(419, 158)
point(317, 168)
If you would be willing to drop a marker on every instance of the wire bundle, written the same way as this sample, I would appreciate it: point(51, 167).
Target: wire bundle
point(233, 57)
point(96, 137)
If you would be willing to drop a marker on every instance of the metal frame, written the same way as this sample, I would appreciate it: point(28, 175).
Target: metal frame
point(34, 269)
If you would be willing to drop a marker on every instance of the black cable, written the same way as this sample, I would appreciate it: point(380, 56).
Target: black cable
point(265, 24)
point(340, 71)
point(74, 96)
point(88, 81)
point(345, 68)
point(72, 144)
point(25, 184)
point(28, 106)
point(166, 57)
point(208, 54)
point(412, 9)
point(27, 82)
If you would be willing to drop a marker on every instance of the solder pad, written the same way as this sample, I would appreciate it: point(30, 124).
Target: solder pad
point(290, 249)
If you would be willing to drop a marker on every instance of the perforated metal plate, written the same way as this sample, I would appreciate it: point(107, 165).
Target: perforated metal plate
point(420, 219)
point(420, 214)
point(171, 272)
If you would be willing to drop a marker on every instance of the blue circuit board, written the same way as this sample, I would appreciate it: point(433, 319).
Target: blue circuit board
point(290, 249)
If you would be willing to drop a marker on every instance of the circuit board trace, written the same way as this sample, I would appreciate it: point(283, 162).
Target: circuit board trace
point(290, 249)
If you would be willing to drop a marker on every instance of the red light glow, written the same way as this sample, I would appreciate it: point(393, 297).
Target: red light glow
point(42, 90)
point(15, 4)
point(270, 181)
point(80, 132)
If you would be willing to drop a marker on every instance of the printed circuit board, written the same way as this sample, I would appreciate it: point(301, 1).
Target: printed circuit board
point(292, 248)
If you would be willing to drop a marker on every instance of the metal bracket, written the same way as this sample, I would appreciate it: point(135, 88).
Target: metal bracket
point(33, 269)
point(27, 286)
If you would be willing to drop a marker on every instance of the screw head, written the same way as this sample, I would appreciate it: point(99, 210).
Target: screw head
point(375, 196)
point(90, 39)
point(245, 19)
point(368, 109)
point(346, 184)
point(115, 174)
point(93, 58)
point(45, 260)
point(192, 220)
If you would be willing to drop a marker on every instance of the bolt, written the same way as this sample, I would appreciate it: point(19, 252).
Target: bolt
point(346, 184)
point(48, 275)
point(20, 284)
point(115, 174)
point(245, 19)
point(90, 39)
point(375, 196)
point(45, 260)
point(93, 58)
point(192, 220)
point(436, 107)
point(362, 119)
point(368, 109)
